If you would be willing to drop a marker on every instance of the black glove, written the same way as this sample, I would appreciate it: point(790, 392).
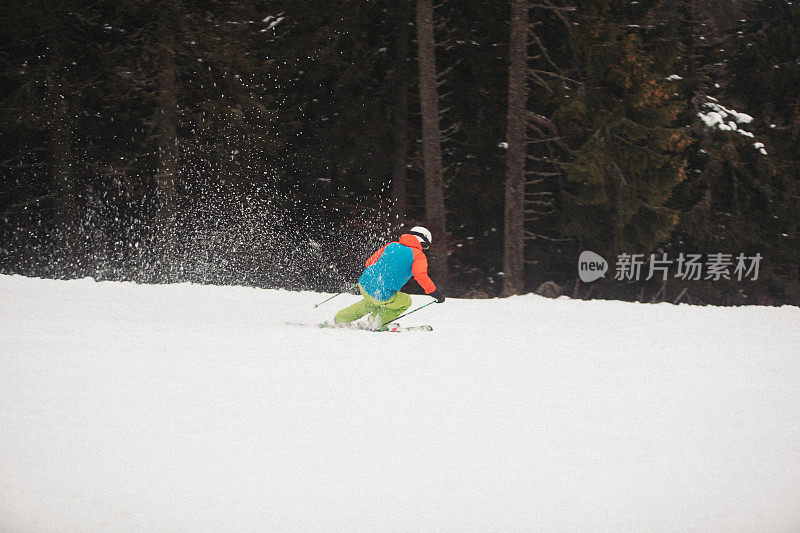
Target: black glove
point(438, 295)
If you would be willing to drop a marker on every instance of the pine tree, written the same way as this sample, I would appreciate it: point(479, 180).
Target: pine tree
point(747, 184)
point(629, 157)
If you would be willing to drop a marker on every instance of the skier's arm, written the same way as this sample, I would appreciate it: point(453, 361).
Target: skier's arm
point(419, 268)
point(374, 257)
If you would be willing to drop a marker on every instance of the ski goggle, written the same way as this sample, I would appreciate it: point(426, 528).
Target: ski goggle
point(426, 244)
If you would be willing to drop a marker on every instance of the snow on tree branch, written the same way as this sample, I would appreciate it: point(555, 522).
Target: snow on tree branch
point(724, 119)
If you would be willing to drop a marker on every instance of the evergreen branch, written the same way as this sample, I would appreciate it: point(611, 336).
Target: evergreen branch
point(528, 182)
point(450, 130)
point(552, 128)
point(541, 159)
point(443, 74)
point(545, 174)
point(559, 76)
point(22, 205)
point(533, 76)
point(543, 48)
point(558, 11)
point(532, 235)
point(547, 140)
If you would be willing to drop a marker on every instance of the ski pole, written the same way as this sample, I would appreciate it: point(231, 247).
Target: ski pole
point(328, 299)
point(332, 297)
point(406, 314)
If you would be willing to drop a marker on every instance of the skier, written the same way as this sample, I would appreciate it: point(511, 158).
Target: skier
point(387, 271)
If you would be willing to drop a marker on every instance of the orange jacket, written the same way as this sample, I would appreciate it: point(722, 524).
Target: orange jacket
point(419, 265)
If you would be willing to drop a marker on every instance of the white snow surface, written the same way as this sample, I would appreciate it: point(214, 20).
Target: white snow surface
point(128, 407)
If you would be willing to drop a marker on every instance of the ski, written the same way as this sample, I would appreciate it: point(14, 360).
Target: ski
point(423, 327)
point(393, 328)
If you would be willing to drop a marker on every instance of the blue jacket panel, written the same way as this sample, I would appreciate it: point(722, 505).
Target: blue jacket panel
point(389, 273)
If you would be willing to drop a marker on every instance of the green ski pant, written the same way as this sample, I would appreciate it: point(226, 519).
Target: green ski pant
point(385, 310)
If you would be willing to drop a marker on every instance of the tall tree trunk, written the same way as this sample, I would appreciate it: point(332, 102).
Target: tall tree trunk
point(514, 232)
point(167, 116)
point(431, 142)
point(401, 115)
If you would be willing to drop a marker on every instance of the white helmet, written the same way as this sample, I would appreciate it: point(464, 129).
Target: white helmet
point(423, 236)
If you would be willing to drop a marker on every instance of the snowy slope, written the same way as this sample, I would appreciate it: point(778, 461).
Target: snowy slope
point(128, 407)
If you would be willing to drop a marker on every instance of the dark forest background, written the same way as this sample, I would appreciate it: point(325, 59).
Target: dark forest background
point(278, 143)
